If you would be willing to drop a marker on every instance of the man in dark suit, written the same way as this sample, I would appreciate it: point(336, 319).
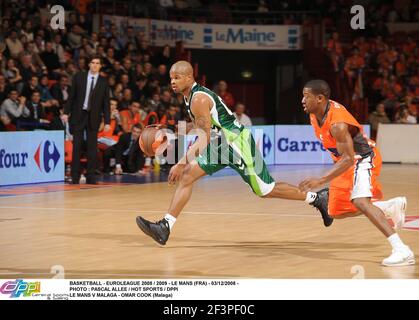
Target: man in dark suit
point(128, 155)
point(88, 101)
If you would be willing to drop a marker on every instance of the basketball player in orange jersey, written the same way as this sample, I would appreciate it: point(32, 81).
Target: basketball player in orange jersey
point(238, 151)
point(354, 188)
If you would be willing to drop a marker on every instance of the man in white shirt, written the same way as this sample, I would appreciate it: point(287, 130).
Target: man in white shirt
point(241, 116)
point(14, 107)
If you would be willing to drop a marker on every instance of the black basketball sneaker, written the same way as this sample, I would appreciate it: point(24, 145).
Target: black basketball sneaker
point(159, 230)
point(321, 204)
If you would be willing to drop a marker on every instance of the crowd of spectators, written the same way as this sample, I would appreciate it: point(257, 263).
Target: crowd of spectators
point(37, 65)
point(380, 66)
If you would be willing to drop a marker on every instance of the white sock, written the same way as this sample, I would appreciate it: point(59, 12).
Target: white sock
point(170, 219)
point(396, 242)
point(311, 196)
point(384, 206)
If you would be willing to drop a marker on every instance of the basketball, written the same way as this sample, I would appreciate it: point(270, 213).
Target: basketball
point(151, 139)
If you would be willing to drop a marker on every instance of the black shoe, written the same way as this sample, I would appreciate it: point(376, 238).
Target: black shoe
point(75, 180)
point(159, 230)
point(321, 204)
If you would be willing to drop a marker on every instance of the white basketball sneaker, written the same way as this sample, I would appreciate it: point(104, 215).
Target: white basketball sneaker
point(397, 212)
point(400, 257)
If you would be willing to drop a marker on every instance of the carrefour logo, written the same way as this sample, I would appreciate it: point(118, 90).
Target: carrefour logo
point(266, 145)
point(285, 144)
point(13, 160)
point(48, 151)
point(20, 287)
point(44, 153)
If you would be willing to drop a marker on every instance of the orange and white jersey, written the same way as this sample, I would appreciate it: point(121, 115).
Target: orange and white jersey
point(337, 113)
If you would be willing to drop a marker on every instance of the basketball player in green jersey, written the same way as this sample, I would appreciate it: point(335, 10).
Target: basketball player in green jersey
point(207, 156)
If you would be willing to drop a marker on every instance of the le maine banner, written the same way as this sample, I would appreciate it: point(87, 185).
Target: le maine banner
point(31, 157)
point(213, 36)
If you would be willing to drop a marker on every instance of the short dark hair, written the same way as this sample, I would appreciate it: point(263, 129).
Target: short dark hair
point(97, 57)
point(318, 86)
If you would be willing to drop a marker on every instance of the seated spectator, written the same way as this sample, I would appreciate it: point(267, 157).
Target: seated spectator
point(241, 115)
point(353, 67)
point(61, 90)
point(36, 118)
point(58, 48)
point(225, 94)
point(127, 153)
point(162, 76)
point(4, 88)
point(140, 89)
point(12, 74)
point(172, 118)
point(105, 137)
point(31, 87)
point(126, 100)
point(14, 108)
point(404, 116)
point(117, 70)
point(125, 81)
point(376, 117)
point(50, 59)
point(46, 95)
point(167, 99)
point(27, 30)
point(163, 57)
point(335, 50)
point(13, 44)
point(131, 116)
point(34, 62)
point(161, 115)
point(154, 103)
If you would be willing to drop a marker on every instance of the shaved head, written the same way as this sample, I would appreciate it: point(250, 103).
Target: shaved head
point(183, 68)
point(181, 77)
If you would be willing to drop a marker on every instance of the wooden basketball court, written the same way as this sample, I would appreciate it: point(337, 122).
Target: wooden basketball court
point(224, 232)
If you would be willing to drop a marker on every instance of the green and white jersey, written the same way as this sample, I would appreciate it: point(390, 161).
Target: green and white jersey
point(222, 119)
point(237, 151)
